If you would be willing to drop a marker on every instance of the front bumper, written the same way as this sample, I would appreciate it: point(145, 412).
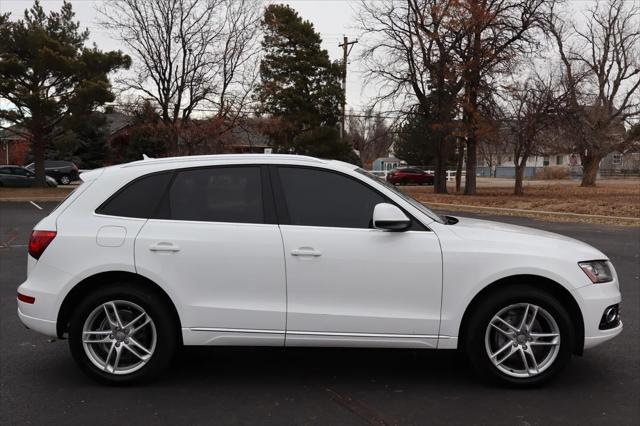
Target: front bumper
point(594, 299)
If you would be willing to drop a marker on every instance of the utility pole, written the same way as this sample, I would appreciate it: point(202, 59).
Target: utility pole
point(346, 49)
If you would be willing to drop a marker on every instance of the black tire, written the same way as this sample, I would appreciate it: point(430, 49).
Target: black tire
point(167, 339)
point(404, 182)
point(65, 180)
point(479, 319)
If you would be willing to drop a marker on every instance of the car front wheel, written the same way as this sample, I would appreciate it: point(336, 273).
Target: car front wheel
point(521, 336)
point(122, 334)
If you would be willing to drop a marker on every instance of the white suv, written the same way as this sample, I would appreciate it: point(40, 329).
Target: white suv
point(280, 250)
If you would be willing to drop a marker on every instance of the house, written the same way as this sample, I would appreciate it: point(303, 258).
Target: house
point(13, 147)
point(385, 164)
point(622, 163)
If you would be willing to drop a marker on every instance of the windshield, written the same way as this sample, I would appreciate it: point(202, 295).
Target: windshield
point(415, 203)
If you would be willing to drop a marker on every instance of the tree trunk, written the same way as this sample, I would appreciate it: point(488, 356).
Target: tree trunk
point(440, 173)
point(590, 167)
point(38, 159)
point(518, 189)
point(459, 165)
point(472, 159)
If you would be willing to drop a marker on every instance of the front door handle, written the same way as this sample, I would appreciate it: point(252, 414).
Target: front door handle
point(306, 251)
point(164, 247)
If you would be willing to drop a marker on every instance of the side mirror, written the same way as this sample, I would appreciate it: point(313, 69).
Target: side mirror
point(389, 217)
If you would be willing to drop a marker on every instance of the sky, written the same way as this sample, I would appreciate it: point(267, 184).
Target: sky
point(332, 19)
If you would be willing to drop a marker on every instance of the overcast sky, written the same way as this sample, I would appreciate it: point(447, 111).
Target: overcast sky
point(332, 18)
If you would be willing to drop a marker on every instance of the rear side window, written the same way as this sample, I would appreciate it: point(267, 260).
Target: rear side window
point(322, 198)
point(219, 194)
point(139, 198)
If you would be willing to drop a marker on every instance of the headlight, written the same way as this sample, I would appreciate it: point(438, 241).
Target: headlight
point(598, 271)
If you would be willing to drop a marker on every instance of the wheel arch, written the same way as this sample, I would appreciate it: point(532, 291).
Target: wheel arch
point(87, 285)
point(557, 290)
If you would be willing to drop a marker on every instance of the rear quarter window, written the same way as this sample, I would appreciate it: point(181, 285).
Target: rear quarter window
point(139, 198)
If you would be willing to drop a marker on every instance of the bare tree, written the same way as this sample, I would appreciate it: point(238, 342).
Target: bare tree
point(531, 110)
point(411, 55)
point(188, 53)
point(601, 64)
point(497, 34)
point(370, 134)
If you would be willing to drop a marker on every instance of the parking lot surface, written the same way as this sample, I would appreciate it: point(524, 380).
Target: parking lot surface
point(40, 384)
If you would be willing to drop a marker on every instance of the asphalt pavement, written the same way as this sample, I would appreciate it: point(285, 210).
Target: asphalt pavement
point(40, 384)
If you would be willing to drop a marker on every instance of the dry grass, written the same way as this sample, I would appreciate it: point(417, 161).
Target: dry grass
point(35, 194)
point(611, 198)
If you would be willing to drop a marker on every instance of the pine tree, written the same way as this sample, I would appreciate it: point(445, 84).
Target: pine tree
point(300, 86)
point(50, 77)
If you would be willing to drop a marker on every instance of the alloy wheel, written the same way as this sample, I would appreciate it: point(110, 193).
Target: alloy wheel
point(522, 340)
point(119, 337)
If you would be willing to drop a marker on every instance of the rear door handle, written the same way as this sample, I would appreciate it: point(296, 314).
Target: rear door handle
point(306, 251)
point(164, 247)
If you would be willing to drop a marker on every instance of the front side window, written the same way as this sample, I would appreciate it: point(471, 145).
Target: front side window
point(322, 198)
point(220, 194)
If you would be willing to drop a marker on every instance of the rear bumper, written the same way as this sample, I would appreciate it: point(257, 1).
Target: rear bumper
point(43, 326)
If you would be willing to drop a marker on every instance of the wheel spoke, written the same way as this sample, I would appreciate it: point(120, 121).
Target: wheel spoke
point(524, 317)
point(511, 352)
point(533, 317)
point(112, 323)
point(543, 343)
point(97, 332)
point(509, 333)
point(137, 344)
point(511, 327)
point(117, 361)
point(103, 340)
point(106, 361)
point(543, 335)
point(115, 312)
point(533, 359)
point(502, 349)
point(143, 358)
point(133, 321)
point(135, 330)
point(524, 361)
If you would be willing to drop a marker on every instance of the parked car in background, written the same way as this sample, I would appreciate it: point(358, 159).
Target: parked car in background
point(17, 176)
point(409, 175)
point(64, 172)
point(280, 250)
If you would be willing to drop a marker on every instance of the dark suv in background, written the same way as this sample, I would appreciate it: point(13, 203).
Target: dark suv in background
point(17, 176)
point(64, 172)
point(407, 175)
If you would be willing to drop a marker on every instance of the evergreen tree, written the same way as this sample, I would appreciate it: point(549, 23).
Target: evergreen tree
point(417, 140)
point(300, 86)
point(50, 77)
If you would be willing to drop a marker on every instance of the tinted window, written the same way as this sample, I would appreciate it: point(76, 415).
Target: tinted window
point(220, 194)
point(139, 198)
point(21, 172)
point(5, 171)
point(321, 198)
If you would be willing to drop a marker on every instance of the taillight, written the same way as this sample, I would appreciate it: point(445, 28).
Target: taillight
point(26, 299)
point(39, 241)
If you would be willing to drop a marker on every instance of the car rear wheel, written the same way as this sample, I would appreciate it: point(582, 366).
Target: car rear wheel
point(520, 336)
point(122, 334)
point(65, 180)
